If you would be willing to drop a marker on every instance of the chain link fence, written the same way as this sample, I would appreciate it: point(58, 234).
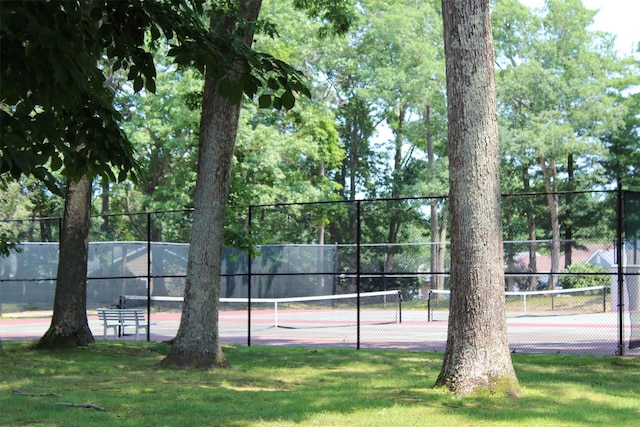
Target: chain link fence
point(562, 294)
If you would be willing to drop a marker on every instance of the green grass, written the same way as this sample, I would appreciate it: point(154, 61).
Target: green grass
point(277, 386)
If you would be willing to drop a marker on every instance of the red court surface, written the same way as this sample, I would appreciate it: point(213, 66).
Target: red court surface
point(595, 333)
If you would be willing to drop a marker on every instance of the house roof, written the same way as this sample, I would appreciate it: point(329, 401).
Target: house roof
point(600, 254)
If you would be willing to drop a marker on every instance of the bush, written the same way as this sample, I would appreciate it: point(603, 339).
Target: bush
point(584, 276)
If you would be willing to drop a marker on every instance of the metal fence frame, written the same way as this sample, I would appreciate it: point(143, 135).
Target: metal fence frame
point(358, 273)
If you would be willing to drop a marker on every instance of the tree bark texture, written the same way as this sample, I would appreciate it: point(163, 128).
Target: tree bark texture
point(197, 343)
point(477, 354)
point(69, 324)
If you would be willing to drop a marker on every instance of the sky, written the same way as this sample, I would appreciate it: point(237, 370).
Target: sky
point(618, 17)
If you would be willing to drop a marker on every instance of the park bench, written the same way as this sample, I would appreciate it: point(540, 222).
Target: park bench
point(120, 318)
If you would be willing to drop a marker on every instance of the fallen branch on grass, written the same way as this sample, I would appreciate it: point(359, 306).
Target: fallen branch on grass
point(82, 405)
point(22, 393)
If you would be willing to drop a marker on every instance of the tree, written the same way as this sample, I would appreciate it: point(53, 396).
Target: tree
point(621, 165)
point(197, 341)
point(69, 325)
point(47, 47)
point(404, 67)
point(384, 75)
point(45, 127)
point(477, 355)
point(163, 128)
point(556, 82)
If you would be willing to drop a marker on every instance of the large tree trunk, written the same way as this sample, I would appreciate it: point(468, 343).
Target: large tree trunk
point(197, 343)
point(477, 355)
point(69, 325)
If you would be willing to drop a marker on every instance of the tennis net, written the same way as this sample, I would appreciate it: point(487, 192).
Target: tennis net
point(534, 303)
point(320, 311)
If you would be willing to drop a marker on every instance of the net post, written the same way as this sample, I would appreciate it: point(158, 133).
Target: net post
point(400, 306)
point(604, 299)
point(275, 310)
point(429, 316)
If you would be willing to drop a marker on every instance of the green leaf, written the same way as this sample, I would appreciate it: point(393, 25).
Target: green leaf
point(288, 100)
point(248, 85)
point(133, 73)
point(224, 87)
point(138, 84)
point(155, 33)
point(273, 84)
point(150, 85)
point(235, 94)
point(265, 101)
point(56, 162)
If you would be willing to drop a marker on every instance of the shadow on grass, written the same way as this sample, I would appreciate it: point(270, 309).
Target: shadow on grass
point(276, 386)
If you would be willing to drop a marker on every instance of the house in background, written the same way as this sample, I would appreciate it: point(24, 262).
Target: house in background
point(598, 254)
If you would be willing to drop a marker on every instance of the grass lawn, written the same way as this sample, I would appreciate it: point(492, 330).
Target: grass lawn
point(283, 386)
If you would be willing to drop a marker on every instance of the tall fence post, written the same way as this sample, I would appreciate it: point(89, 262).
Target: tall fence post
point(249, 262)
point(358, 238)
point(149, 276)
point(619, 253)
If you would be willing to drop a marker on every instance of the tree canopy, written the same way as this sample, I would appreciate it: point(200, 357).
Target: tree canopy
point(57, 108)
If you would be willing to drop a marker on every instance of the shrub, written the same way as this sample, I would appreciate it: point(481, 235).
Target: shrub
point(584, 275)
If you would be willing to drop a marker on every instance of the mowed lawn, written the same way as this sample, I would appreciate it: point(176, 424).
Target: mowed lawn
point(119, 384)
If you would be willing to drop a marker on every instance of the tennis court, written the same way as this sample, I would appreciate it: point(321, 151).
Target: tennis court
point(380, 328)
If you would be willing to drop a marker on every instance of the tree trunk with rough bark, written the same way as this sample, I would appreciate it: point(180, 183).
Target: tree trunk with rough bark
point(197, 343)
point(69, 325)
point(477, 356)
